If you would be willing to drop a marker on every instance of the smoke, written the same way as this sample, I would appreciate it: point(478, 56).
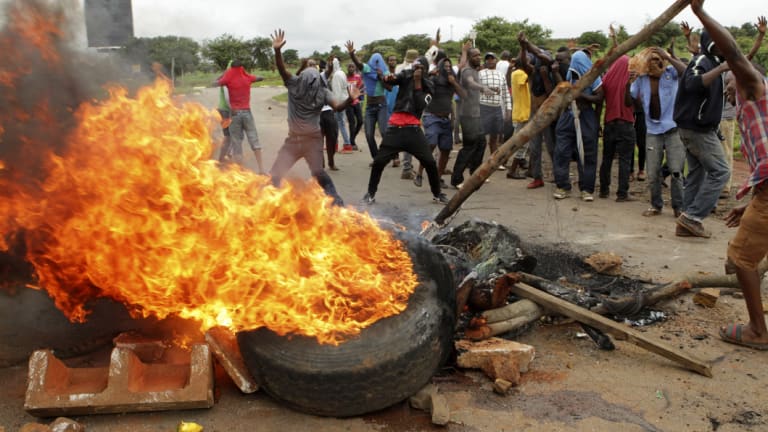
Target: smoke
point(44, 77)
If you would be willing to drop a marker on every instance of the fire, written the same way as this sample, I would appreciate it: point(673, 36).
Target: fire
point(136, 211)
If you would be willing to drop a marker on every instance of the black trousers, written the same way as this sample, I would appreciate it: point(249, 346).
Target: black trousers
point(472, 148)
point(408, 139)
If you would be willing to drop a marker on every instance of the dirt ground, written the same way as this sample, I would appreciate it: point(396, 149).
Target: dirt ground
point(572, 385)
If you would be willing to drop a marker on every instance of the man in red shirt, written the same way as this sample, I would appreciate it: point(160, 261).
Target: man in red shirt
point(238, 83)
point(619, 129)
point(749, 246)
point(404, 132)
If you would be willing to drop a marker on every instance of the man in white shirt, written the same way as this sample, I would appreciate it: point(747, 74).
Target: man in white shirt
point(496, 107)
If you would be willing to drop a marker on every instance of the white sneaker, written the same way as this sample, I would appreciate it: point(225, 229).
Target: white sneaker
point(586, 196)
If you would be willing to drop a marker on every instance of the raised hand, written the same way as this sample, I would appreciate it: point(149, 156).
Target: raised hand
point(685, 28)
point(761, 24)
point(278, 39)
point(697, 6)
point(521, 38)
point(350, 46)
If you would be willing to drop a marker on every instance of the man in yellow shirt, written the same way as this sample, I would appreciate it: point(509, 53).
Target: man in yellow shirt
point(521, 107)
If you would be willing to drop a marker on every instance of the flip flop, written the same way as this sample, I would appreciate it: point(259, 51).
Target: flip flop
point(732, 334)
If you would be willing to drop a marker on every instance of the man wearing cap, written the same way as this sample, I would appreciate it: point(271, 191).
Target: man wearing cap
point(698, 110)
point(495, 107)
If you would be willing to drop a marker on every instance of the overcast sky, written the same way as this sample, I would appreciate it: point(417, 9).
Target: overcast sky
point(316, 25)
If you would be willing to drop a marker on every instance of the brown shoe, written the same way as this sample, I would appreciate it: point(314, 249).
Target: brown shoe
point(682, 232)
point(395, 163)
point(695, 228)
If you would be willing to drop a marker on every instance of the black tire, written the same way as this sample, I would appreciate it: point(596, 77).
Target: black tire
point(388, 362)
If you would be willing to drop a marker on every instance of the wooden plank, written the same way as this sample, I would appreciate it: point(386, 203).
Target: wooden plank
point(582, 315)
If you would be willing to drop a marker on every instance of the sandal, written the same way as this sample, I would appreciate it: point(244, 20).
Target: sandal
point(732, 334)
point(652, 211)
point(641, 176)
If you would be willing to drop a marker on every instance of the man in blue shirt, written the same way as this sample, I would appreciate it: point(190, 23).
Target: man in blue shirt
point(656, 92)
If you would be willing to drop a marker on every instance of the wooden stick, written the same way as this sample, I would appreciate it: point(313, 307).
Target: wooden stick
point(624, 305)
point(513, 310)
point(592, 319)
point(563, 94)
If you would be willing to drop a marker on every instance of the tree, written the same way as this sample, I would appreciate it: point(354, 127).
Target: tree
point(226, 47)
point(262, 54)
point(419, 42)
point(497, 34)
point(663, 37)
point(291, 56)
point(593, 37)
point(182, 52)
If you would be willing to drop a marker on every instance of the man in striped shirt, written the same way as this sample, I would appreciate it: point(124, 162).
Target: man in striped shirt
point(749, 246)
point(495, 107)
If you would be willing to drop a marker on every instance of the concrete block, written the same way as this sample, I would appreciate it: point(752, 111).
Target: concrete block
point(225, 348)
point(707, 297)
point(126, 385)
point(148, 350)
point(498, 358)
point(422, 400)
point(501, 386)
point(441, 413)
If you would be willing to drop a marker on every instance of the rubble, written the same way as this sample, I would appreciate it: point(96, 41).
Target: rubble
point(428, 399)
point(496, 357)
point(63, 424)
point(501, 386)
point(706, 297)
point(225, 348)
point(605, 263)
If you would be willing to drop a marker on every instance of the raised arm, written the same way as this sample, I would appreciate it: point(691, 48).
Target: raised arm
point(523, 61)
point(278, 41)
point(761, 26)
point(748, 80)
point(691, 45)
point(351, 50)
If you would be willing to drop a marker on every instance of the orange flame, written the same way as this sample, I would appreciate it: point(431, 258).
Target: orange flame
point(136, 211)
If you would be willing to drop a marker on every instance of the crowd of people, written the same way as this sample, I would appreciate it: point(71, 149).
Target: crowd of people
point(680, 115)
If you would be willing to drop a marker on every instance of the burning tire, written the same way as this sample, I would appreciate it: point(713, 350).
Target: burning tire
point(388, 362)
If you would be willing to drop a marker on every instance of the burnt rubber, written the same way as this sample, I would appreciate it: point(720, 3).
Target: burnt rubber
point(387, 363)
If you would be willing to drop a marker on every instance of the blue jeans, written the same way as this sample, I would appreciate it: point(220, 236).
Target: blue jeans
point(566, 150)
point(708, 172)
point(375, 113)
point(618, 138)
point(657, 146)
point(340, 121)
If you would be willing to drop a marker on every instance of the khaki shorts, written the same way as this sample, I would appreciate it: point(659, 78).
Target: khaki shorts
point(750, 244)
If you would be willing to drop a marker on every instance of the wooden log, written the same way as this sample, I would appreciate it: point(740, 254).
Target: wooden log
point(563, 94)
point(626, 305)
point(520, 308)
point(580, 314)
point(503, 320)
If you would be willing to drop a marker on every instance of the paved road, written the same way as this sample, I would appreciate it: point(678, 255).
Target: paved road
point(568, 389)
